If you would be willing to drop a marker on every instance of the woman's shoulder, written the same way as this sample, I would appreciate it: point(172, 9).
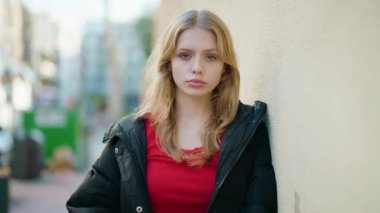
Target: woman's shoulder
point(122, 126)
point(258, 108)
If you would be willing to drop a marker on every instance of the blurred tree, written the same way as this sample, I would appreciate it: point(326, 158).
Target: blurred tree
point(144, 29)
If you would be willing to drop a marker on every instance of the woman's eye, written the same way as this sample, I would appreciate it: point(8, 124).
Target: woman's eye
point(211, 58)
point(185, 56)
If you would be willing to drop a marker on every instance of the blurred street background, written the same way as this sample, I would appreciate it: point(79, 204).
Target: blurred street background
point(67, 69)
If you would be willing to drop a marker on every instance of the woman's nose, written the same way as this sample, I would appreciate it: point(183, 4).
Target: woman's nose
point(197, 67)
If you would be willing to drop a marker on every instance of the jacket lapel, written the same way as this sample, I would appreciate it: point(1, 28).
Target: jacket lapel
point(238, 135)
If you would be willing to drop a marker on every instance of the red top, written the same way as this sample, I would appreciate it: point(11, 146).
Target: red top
point(175, 187)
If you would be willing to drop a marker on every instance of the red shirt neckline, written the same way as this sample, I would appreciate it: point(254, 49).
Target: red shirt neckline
point(176, 187)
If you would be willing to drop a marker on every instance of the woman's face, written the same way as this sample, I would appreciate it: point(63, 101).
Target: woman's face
point(196, 65)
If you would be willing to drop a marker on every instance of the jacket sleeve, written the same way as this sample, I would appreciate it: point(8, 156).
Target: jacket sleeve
point(99, 192)
point(262, 190)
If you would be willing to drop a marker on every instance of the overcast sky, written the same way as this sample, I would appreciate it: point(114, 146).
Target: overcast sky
point(84, 10)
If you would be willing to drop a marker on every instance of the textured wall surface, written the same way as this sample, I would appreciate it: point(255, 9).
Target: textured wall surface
point(317, 65)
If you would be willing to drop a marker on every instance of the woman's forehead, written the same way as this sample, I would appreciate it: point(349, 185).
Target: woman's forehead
point(197, 38)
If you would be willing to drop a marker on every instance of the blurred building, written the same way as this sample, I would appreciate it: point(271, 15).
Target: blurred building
point(124, 54)
point(44, 59)
point(69, 64)
point(93, 70)
point(28, 61)
point(132, 61)
point(16, 76)
point(46, 64)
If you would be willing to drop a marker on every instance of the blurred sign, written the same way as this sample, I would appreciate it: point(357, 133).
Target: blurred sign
point(50, 118)
point(60, 127)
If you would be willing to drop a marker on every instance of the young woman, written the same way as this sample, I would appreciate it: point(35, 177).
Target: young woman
point(191, 146)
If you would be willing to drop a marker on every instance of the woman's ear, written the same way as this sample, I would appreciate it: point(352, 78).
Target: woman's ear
point(226, 68)
point(168, 66)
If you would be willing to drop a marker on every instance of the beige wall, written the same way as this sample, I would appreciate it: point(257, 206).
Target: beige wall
point(317, 65)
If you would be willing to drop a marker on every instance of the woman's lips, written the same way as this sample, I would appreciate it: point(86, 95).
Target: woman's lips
point(196, 83)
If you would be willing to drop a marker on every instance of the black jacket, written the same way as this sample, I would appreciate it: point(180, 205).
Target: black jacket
point(245, 179)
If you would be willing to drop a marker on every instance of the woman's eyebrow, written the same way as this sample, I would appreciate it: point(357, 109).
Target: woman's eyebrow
point(211, 50)
point(190, 50)
point(184, 49)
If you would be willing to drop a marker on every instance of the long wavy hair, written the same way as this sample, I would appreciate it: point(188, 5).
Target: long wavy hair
point(159, 99)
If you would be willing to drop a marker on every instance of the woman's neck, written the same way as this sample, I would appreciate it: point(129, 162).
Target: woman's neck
point(192, 115)
point(197, 109)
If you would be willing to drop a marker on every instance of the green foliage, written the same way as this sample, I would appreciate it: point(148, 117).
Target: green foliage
point(144, 29)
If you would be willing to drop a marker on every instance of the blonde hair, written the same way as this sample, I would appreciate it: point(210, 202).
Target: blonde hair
point(159, 98)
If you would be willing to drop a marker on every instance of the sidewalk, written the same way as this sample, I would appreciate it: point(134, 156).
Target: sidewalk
point(46, 194)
